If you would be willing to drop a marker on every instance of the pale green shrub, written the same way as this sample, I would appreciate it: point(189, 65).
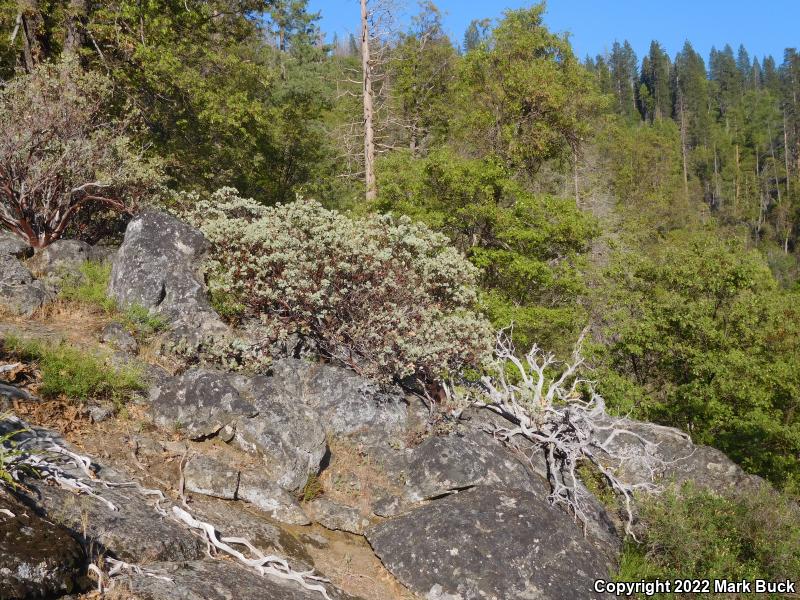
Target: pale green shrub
point(386, 296)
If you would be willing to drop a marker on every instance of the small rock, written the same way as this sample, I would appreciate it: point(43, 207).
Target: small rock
point(120, 338)
point(204, 475)
point(337, 517)
point(101, 412)
point(20, 293)
point(270, 498)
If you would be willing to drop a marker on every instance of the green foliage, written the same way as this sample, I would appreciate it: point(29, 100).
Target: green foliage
point(389, 297)
point(90, 288)
point(527, 246)
point(60, 154)
point(523, 96)
point(704, 340)
point(9, 456)
point(694, 534)
point(312, 489)
point(75, 373)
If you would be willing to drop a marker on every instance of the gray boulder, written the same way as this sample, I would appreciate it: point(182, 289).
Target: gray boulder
point(12, 245)
point(204, 475)
point(252, 414)
point(681, 459)
point(38, 559)
point(20, 293)
point(213, 477)
point(490, 543)
point(115, 335)
point(216, 580)
point(199, 403)
point(347, 404)
point(441, 465)
point(158, 267)
point(267, 496)
point(286, 433)
point(61, 258)
point(133, 532)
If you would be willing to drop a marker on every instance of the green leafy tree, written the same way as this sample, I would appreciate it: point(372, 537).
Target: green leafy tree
point(528, 246)
point(703, 340)
point(524, 97)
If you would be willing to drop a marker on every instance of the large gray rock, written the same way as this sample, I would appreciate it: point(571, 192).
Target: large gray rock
point(158, 267)
point(216, 580)
point(12, 245)
point(347, 404)
point(286, 433)
point(199, 403)
point(61, 258)
point(214, 477)
point(441, 465)
point(252, 414)
point(38, 559)
point(490, 543)
point(267, 496)
point(134, 532)
point(20, 293)
point(681, 460)
point(332, 515)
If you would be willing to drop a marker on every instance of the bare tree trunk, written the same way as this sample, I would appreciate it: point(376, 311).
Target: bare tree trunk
point(774, 162)
point(786, 151)
point(369, 131)
point(75, 23)
point(31, 23)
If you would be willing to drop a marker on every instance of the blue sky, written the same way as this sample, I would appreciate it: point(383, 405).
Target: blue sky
point(765, 27)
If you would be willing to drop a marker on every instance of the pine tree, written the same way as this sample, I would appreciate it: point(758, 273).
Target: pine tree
point(623, 76)
point(476, 33)
point(655, 76)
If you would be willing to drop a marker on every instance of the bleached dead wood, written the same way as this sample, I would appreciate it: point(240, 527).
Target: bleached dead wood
point(45, 458)
point(549, 404)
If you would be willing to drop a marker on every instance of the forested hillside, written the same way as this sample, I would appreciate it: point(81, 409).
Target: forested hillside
point(651, 202)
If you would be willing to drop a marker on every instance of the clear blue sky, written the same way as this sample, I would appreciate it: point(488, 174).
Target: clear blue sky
point(764, 27)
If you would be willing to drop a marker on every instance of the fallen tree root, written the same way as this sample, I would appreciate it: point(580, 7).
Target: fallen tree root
point(562, 416)
point(45, 462)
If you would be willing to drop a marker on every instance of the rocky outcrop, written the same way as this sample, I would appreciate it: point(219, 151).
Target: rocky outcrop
point(252, 414)
point(20, 292)
point(119, 338)
point(213, 580)
point(490, 543)
point(681, 459)
point(38, 559)
point(219, 479)
point(158, 267)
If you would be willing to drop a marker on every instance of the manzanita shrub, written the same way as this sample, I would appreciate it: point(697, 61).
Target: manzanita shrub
point(386, 296)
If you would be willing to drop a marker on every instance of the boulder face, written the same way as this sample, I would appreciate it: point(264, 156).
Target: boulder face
point(20, 293)
point(250, 413)
point(38, 559)
point(12, 245)
point(490, 543)
point(157, 267)
point(347, 404)
point(682, 460)
point(62, 256)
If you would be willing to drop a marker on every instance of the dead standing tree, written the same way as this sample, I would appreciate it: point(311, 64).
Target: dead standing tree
point(360, 139)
